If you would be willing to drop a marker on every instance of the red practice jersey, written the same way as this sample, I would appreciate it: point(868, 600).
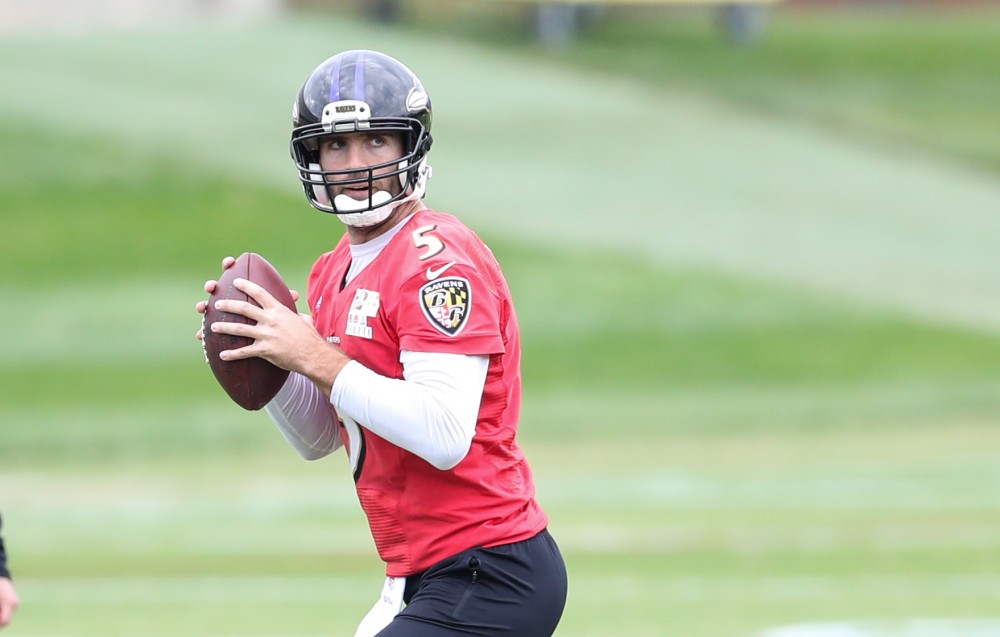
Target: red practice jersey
point(434, 288)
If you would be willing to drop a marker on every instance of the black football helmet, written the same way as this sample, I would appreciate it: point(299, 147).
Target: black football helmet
point(354, 91)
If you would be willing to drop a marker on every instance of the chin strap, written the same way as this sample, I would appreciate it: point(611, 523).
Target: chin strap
point(381, 210)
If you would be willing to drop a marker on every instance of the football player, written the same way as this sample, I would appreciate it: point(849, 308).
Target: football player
point(409, 360)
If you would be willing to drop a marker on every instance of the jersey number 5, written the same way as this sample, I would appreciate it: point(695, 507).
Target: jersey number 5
point(423, 239)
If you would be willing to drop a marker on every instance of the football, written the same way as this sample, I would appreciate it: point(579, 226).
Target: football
point(250, 382)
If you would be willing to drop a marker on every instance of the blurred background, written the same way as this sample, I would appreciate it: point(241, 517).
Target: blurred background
point(753, 249)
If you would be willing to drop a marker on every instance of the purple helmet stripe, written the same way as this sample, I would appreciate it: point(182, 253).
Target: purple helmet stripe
point(359, 77)
point(335, 82)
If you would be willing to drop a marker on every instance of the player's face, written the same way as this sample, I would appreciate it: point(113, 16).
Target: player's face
point(359, 151)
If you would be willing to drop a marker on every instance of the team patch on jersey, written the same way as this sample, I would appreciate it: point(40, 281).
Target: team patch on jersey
point(447, 303)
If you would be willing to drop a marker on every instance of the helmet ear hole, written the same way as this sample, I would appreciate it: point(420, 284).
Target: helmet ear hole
point(404, 175)
point(319, 185)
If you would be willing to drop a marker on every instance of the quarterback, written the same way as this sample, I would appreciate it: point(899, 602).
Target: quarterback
point(409, 361)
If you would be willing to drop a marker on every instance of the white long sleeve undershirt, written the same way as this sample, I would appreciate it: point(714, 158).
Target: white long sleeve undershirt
point(431, 413)
point(305, 418)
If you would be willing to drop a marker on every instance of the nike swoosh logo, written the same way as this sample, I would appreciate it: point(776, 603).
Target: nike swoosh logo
point(433, 274)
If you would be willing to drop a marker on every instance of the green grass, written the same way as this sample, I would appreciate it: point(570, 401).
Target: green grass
point(121, 214)
point(760, 442)
point(891, 75)
point(722, 451)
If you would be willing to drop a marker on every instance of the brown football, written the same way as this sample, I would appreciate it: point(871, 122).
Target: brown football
point(251, 382)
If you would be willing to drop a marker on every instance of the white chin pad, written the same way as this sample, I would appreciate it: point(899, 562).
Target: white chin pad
point(343, 203)
point(379, 212)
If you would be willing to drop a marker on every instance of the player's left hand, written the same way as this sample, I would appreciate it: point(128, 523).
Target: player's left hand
point(209, 288)
point(280, 336)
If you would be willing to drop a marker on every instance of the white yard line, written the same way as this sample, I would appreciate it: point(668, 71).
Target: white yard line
point(915, 627)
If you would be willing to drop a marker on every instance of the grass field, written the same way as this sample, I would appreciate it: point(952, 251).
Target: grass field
point(761, 355)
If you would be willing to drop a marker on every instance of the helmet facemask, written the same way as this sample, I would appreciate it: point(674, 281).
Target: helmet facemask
point(322, 184)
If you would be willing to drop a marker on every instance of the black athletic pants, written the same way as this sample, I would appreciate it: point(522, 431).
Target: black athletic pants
point(514, 589)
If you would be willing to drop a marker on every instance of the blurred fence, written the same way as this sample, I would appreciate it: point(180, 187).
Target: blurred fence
point(556, 22)
point(552, 22)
